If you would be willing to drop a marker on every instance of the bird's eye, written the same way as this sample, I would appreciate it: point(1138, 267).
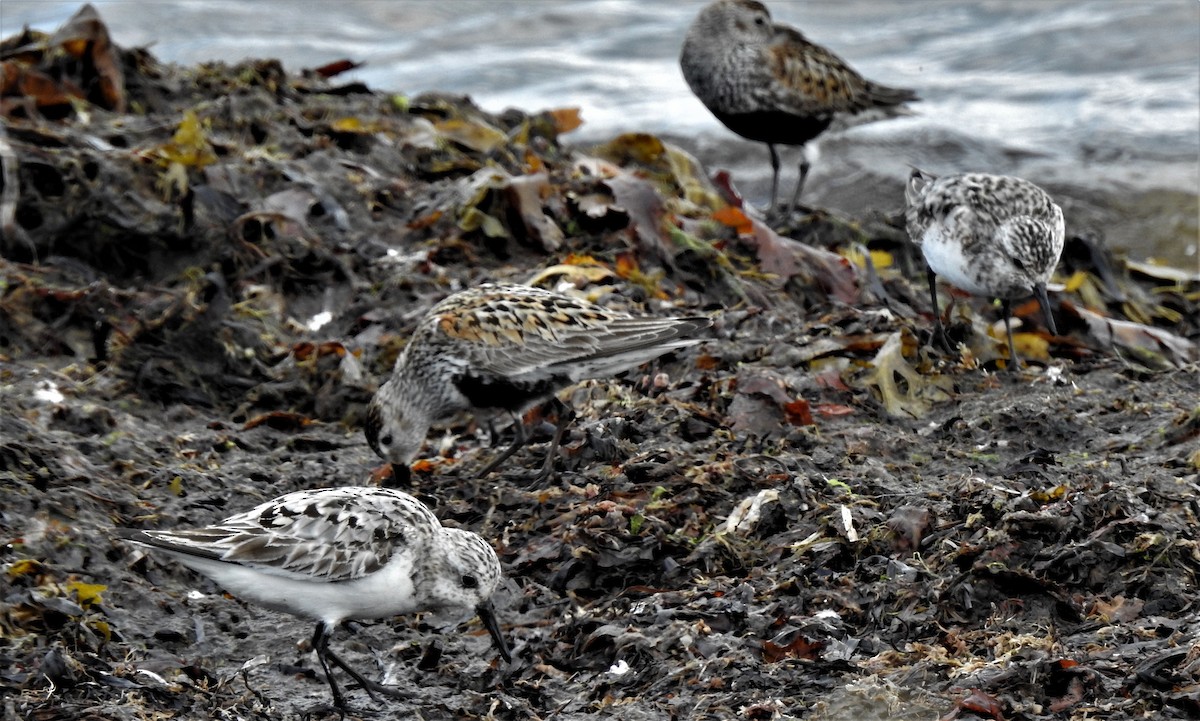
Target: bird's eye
point(386, 440)
point(469, 581)
point(760, 21)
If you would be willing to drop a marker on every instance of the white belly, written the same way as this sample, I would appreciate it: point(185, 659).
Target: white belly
point(387, 592)
point(945, 258)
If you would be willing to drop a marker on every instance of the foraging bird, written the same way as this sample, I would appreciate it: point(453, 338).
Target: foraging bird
point(506, 348)
point(341, 553)
point(990, 235)
point(767, 82)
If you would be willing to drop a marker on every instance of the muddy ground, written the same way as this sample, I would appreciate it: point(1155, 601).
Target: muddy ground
point(811, 515)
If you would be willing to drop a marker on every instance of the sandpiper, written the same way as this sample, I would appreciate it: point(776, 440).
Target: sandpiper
point(337, 554)
point(767, 82)
point(990, 235)
point(505, 348)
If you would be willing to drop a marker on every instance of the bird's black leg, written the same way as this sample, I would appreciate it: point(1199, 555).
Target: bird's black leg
point(320, 644)
point(774, 176)
point(325, 655)
point(1006, 308)
point(371, 687)
point(805, 166)
point(520, 440)
point(565, 416)
point(939, 331)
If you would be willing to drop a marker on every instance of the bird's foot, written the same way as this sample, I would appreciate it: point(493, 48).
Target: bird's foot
point(372, 688)
point(788, 219)
point(940, 339)
point(324, 711)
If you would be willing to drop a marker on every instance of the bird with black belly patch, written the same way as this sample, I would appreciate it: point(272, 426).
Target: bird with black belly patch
point(505, 348)
point(768, 83)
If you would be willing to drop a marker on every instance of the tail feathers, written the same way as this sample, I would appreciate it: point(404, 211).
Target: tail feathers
point(887, 95)
point(649, 330)
point(189, 543)
point(844, 121)
point(637, 334)
point(636, 341)
point(613, 363)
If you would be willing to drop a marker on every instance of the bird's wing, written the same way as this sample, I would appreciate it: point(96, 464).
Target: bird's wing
point(331, 535)
point(588, 350)
point(812, 80)
point(512, 331)
point(962, 206)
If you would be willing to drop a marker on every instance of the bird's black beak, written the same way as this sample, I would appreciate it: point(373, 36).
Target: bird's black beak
point(487, 615)
point(1040, 291)
point(401, 476)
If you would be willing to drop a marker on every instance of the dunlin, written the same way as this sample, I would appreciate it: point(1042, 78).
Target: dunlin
point(337, 554)
point(990, 235)
point(506, 348)
point(767, 82)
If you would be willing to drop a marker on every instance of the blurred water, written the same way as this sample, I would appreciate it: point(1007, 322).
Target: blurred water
point(1097, 92)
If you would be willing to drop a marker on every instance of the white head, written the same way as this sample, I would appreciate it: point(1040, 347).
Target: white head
point(466, 577)
point(467, 574)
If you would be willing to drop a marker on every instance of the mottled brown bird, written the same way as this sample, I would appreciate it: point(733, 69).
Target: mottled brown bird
point(767, 82)
point(500, 348)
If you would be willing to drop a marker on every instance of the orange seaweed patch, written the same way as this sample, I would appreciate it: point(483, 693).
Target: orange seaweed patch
point(798, 648)
point(337, 67)
point(580, 259)
point(85, 36)
point(706, 362)
point(627, 265)
point(280, 421)
point(1029, 307)
point(734, 218)
point(566, 119)
point(533, 163)
point(834, 410)
point(798, 413)
point(305, 350)
point(425, 220)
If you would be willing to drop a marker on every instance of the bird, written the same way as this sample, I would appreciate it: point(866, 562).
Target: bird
point(768, 83)
point(501, 347)
point(338, 554)
point(990, 235)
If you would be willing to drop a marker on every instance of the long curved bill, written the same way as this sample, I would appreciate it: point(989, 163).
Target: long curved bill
point(487, 615)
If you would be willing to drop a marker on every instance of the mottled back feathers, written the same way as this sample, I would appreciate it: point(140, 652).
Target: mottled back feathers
point(337, 534)
point(502, 347)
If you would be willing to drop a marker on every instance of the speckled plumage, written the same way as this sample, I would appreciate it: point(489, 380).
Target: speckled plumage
point(505, 348)
point(990, 235)
point(767, 82)
point(340, 553)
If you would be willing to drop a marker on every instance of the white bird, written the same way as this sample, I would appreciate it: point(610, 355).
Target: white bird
point(990, 235)
point(341, 553)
